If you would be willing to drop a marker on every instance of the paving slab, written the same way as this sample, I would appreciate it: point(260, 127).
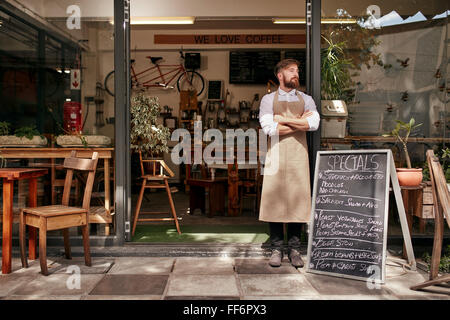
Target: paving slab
point(122, 297)
point(34, 266)
point(59, 285)
point(131, 284)
point(207, 265)
point(98, 266)
point(201, 298)
point(276, 285)
point(261, 266)
point(400, 286)
point(39, 297)
point(305, 297)
point(358, 297)
point(330, 285)
point(202, 285)
point(142, 265)
point(13, 281)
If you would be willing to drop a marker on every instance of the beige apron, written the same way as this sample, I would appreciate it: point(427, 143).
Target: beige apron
point(286, 195)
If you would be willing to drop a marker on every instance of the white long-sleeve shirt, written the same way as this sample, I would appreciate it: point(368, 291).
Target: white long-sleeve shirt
point(266, 110)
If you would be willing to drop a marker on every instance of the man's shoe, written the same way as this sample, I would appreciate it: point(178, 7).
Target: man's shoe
point(296, 259)
point(275, 259)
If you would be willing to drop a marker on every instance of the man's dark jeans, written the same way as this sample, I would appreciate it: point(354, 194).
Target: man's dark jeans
point(277, 235)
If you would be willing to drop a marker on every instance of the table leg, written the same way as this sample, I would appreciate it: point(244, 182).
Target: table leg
point(32, 231)
point(233, 191)
point(405, 196)
point(107, 192)
point(8, 189)
point(107, 186)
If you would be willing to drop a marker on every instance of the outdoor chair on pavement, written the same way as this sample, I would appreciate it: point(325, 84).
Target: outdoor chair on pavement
point(155, 178)
point(57, 217)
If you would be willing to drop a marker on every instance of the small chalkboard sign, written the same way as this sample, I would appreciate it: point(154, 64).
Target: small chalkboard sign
point(215, 89)
point(348, 228)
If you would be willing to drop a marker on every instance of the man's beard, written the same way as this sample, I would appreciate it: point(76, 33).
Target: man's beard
point(292, 84)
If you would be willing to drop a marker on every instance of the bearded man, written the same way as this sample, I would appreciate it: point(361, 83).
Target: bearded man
point(286, 196)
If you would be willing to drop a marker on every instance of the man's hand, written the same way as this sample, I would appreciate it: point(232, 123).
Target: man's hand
point(305, 115)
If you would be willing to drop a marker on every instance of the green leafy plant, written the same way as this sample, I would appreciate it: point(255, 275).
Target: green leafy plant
point(442, 154)
point(444, 265)
point(402, 131)
point(4, 128)
point(27, 131)
point(360, 41)
point(146, 135)
point(335, 72)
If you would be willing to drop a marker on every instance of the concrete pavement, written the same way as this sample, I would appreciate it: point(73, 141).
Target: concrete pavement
point(202, 278)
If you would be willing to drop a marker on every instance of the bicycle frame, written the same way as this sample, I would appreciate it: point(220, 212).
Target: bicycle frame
point(177, 69)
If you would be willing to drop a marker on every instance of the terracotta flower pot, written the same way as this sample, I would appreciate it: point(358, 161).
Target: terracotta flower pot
point(409, 177)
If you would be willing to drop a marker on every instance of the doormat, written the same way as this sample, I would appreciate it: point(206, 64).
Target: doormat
point(203, 233)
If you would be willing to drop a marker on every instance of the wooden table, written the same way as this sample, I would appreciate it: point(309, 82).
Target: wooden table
point(234, 202)
point(9, 175)
point(216, 195)
point(61, 153)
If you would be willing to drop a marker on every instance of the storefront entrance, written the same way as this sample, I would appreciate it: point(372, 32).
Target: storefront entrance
point(140, 83)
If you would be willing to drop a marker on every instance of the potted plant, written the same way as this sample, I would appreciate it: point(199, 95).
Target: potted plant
point(335, 72)
point(335, 88)
point(25, 136)
point(147, 136)
point(406, 176)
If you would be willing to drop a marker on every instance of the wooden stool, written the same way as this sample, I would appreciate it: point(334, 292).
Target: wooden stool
point(56, 217)
point(155, 180)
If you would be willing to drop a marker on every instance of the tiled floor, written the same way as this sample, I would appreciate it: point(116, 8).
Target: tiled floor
point(174, 278)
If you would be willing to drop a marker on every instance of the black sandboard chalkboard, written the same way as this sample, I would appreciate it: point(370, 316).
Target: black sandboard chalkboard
point(348, 228)
point(253, 67)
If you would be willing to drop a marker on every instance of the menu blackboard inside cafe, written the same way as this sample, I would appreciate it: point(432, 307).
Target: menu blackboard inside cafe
point(349, 214)
point(253, 67)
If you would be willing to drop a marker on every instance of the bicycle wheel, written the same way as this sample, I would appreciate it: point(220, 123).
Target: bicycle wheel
point(109, 83)
point(194, 80)
point(53, 81)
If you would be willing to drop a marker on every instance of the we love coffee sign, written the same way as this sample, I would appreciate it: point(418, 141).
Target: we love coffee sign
point(214, 39)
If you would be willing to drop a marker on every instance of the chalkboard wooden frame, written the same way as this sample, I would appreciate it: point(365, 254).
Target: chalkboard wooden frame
point(390, 175)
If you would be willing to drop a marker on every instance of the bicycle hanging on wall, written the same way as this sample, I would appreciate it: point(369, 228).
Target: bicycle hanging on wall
point(161, 76)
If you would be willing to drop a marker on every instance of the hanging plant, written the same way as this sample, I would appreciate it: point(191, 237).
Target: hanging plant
point(146, 135)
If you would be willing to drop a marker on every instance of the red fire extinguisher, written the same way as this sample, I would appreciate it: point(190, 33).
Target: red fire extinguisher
point(72, 121)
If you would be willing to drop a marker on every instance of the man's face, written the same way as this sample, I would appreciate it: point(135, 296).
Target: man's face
point(289, 76)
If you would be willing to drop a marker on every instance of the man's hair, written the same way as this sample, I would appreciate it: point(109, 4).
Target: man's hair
point(284, 64)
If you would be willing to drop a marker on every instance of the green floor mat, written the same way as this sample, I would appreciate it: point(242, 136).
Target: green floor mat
point(203, 233)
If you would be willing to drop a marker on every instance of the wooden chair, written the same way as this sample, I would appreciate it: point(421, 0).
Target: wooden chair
point(441, 199)
point(155, 179)
point(57, 217)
